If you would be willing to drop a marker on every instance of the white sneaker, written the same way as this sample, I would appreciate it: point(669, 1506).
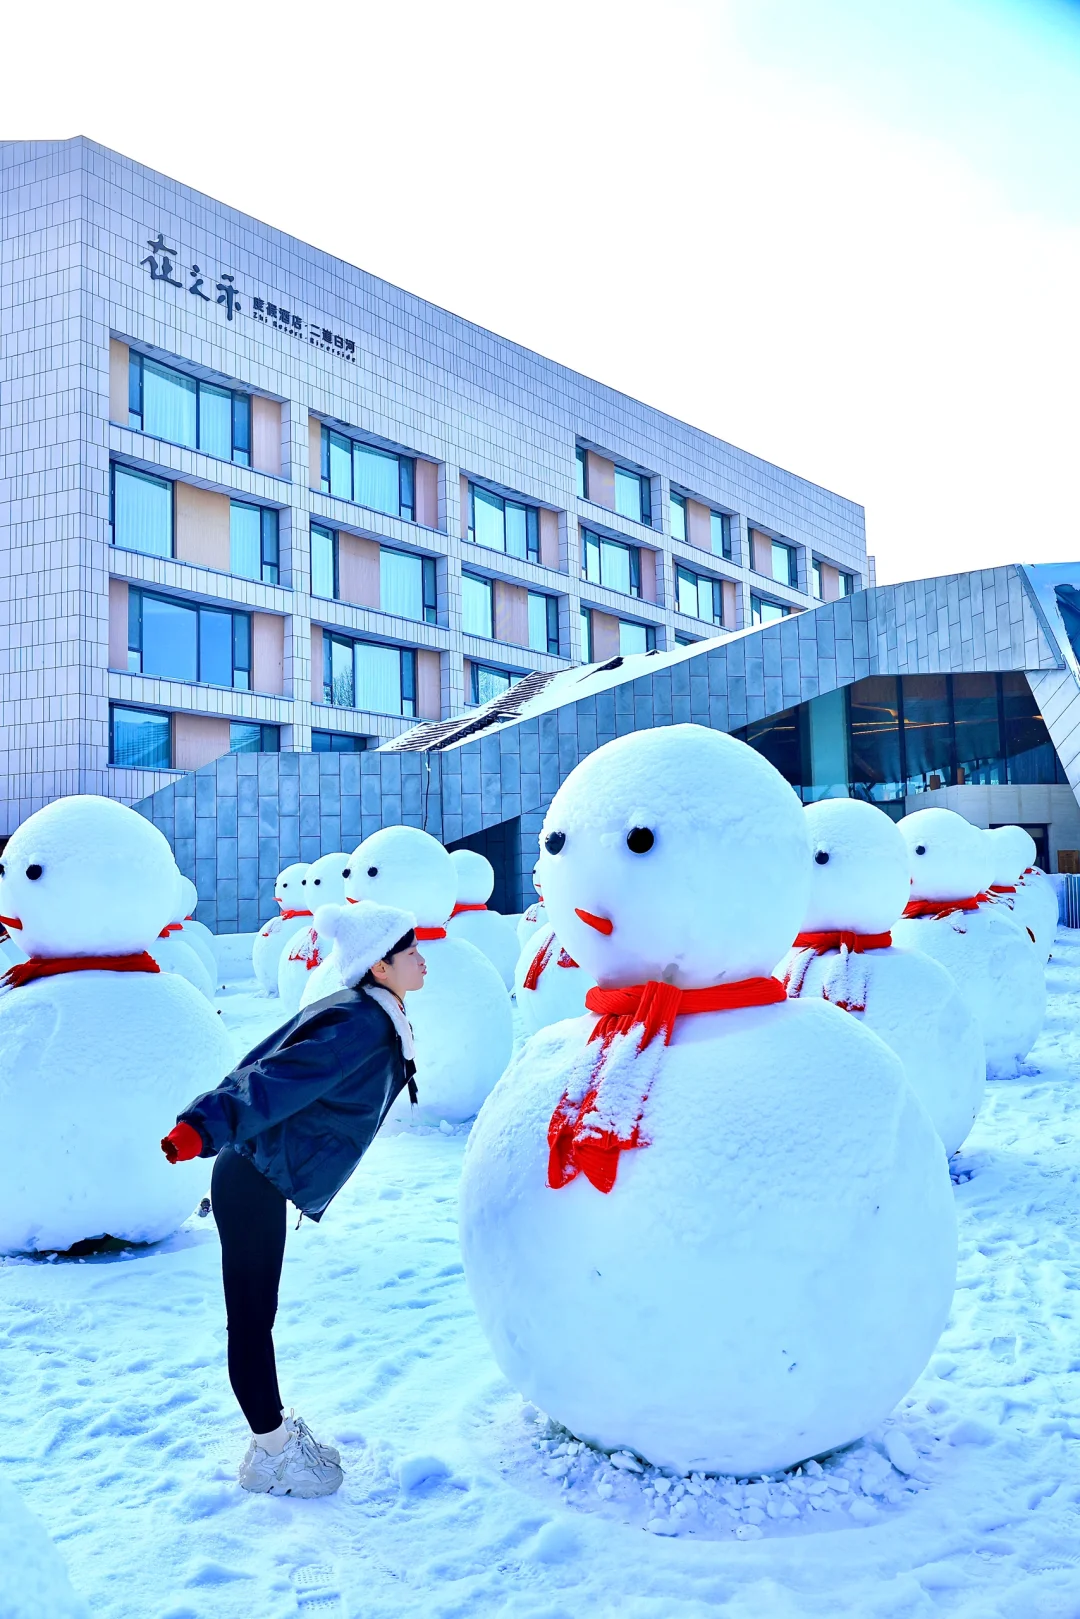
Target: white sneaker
point(295, 1424)
point(300, 1470)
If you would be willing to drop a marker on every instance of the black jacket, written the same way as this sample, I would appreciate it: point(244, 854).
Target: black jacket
point(305, 1105)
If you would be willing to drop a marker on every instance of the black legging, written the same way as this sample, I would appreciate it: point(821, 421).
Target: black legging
point(250, 1216)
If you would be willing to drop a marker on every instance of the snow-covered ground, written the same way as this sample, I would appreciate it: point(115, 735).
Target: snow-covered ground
point(121, 1432)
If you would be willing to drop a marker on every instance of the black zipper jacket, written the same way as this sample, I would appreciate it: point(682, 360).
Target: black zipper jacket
point(305, 1105)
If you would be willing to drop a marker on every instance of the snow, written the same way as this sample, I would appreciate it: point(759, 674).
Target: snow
point(35, 1583)
point(125, 1438)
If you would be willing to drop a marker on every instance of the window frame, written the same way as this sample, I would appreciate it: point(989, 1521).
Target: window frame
point(551, 622)
point(408, 672)
point(406, 512)
point(356, 741)
point(147, 477)
point(138, 708)
point(239, 409)
point(532, 523)
point(475, 669)
point(783, 609)
point(325, 532)
point(267, 734)
point(241, 641)
point(677, 502)
point(269, 542)
point(600, 540)
point(714, 587)
point(489, 584)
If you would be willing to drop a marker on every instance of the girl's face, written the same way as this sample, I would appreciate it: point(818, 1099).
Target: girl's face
point(402, 972)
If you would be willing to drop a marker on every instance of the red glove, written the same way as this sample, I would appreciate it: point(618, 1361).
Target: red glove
point(181, 1143)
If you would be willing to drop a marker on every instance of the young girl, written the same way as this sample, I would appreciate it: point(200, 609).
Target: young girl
point(292, 1122)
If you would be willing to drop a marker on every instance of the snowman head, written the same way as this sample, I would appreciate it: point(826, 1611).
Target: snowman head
point(475, 877)
point(859, 877)
point(187, 900)
point(407, 868)
point(675, 854)
point(1014, 852)
point(948, 858)
point(287, 887)
point(87, 877)
point(323, 883)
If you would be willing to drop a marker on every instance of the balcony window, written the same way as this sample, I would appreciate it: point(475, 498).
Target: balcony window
point(697, 596)
point(763, 611)
point(173, 639)
point(610, 563)
point(139, 739)
point(504, 525)
point(488, 683)
point(251, 738)
point(253, 541)
point(167, 404)
point(369, 675)
point(323, 562)
point(477, 606)
point(633, 495)
point(407, 586)
point(678, 518)
point(720, 531)
point(543, 623)
point(337, 742)
point(378, 479)
point(142, 512)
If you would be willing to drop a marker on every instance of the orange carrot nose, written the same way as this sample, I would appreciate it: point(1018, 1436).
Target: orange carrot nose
point(602, 924)
point(11, 921)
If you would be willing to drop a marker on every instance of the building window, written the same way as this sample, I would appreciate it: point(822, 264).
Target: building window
point(253, 542)
point(504, 525)
point(378, 479)
point(139, 739)
point(586, 636)
point(633, 495)
point(720, 530)
point(369, 675)
point(763, 611)
point(636, 638)
point(178, 640)
point(678, 517)
point(685, 640)
point(488, 683)
point(697, 596)
point(167, 404)
point(337, 742)
point(817, 589)
point(407, 586)
point(324, 572)
point(785, 564)
point(251, 738)
point(582, 470)
point(142, 512)
point(543, 623)
point(847, 584)
point(477, 606)
point(610, 563)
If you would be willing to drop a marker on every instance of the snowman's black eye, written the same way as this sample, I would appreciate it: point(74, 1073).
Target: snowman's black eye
point(373, 871)
point(822, 857)
point(347, 872)
point(640, 840)
point(33, 872)
point(318, 880)
point(920, 848)
point(554, 841)
point(303, 882)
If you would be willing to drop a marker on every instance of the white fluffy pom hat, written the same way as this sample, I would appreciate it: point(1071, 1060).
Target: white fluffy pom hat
point(362, 935)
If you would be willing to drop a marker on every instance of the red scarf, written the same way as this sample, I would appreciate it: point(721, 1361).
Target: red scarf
point(835, 940)
point(171, 927)
point(460, 906)
point(287, 916)
point(938, 908)
point(424, 934)
point(307, 949)
point(24, 972)
point(580, 1141)
point(540, 961)
point(1002, 888)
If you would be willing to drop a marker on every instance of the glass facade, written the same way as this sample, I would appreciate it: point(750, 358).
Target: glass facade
point(610, 563)
point(504, 525)
point(168, 404)
point(378, 479)
point(887, 737)
point(181, 640)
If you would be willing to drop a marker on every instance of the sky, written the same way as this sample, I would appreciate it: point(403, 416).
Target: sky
point(842, 234)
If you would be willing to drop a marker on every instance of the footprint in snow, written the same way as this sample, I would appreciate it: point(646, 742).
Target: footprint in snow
point(316, 1589)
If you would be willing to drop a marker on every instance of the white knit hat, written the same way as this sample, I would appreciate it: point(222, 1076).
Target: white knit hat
point(362, 935)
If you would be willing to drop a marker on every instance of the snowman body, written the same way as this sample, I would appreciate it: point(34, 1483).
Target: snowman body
point(1015, 886)
point(859, 884)
point(772, 1265)
point(174, 955)
point(196, 935)
point(1037, 904)
point(531, 921)
point(548, 984)
point(278, 930)
point(303, 952)
point(492, 934)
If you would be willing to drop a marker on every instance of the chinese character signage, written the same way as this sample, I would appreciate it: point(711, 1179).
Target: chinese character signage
point(161, 263)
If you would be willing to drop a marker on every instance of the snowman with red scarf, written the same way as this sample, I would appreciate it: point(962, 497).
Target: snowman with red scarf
point(859, 885)
point(994, 962)
point(294, 916)
point(471, 919)
point(96, 1043)
point(703, 1222)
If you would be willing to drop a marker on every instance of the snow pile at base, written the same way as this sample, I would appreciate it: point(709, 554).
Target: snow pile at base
point(33, 1580)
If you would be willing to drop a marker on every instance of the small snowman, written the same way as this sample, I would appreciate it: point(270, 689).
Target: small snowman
point(995, 966)
point(533, 918)
point(470, 919)
point(1023, 888)
point(294, 916)
point(548, 983)
point(703, 1223)
point(462, 1018)
point(859, 886)
point(302, 954)
point(173, 953)
point(96, 1043)
point(196, 934)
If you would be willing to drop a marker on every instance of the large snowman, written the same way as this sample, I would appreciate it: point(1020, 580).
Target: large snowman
point(96, 1044)
point(294, 916)
point(703, 1223)
point(304, 952)
point(993, 961)
point(462, 1018)
point(844, 954)
point(491, 933)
